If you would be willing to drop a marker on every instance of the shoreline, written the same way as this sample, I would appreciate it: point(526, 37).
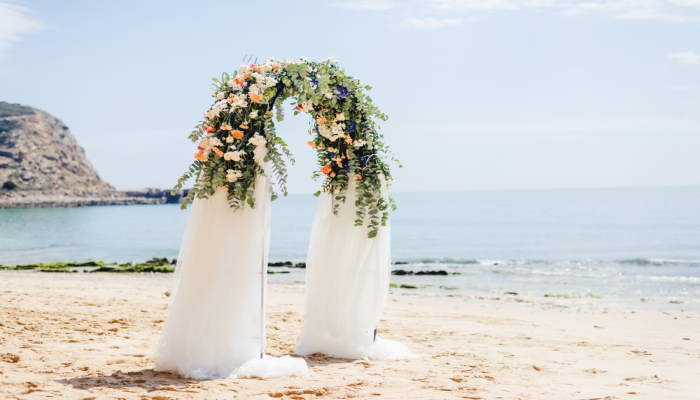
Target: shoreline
point(63, 198)
point(91, 335)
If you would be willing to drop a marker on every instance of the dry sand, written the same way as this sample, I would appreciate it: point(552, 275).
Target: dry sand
point(90, 336)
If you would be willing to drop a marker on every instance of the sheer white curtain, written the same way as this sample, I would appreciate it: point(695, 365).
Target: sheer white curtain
point(215, 326)
point(347, 283)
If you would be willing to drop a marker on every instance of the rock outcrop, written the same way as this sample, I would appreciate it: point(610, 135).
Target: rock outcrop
point(42, 165)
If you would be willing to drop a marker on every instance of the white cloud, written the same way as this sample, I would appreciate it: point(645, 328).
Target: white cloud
point(430, 22)
point(372, 5)
point(14, 22)
point(660, 10)
point(685, 57)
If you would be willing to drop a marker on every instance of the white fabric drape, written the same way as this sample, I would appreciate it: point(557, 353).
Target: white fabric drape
point(215, 322)
point(347, 284)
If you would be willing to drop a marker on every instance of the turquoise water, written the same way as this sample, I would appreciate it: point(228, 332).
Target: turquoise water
point(614, 243)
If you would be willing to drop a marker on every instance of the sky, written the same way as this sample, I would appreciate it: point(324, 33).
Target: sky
point(480, 94)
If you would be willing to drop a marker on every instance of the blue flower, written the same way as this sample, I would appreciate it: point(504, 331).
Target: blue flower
point(351, 126)
point(331, 154)
point(363, 159)
point(342, 91)
point(314, 81)
point(346, 164)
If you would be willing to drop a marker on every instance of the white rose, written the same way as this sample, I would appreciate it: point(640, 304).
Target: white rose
point(243, 69)
point(329, 95)
point(254, 114)
point(229, 139)
point(340, 117)
point(254, 88)
point(266, 67)
point(220, 95)
point(257, 140)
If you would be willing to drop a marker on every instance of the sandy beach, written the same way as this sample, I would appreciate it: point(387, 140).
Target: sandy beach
point(90, 336)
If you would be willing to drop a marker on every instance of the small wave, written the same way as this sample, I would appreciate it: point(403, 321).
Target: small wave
point(413, 261)
point(658, 262)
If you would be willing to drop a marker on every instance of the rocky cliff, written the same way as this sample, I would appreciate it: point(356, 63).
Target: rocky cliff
point(42, 165)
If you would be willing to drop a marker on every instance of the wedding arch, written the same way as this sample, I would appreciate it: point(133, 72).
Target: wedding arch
point(238, 136)
point(216, 319)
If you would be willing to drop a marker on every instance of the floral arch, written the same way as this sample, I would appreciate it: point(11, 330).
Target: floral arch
point(238, 136)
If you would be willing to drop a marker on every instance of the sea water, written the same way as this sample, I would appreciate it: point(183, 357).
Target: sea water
point(620, 245)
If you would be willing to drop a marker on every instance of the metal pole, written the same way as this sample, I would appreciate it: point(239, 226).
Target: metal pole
point(263, 270)
point(263, 274)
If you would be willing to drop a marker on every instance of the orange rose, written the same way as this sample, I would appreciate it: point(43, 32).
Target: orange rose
point(326, 170)
point(200, 157)
point(358, 176)
point(332, 174)
point(237, 134)
point(255, 97)
point(312, 144)
point(218, 152)
point(223, 189)
point(321, 120)
point(239, 80)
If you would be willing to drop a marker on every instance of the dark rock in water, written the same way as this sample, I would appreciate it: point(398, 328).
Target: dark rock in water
point(407, 286)
point(174, 261)
point(400, 263)
point(57, 265)
point(300, 265)
point(449, 287)
point(107, 269)
point(280, 264)
point(157, 261)
point(55, 270)
point(431, 273)
point(277, 272)
point(161, 265)
point(402, 272)
point(513, 293)
point(136, 268)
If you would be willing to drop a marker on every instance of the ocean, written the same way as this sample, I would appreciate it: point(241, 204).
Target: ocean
point(629, 247)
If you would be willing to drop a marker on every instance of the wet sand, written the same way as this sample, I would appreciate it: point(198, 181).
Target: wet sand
point(90, 336)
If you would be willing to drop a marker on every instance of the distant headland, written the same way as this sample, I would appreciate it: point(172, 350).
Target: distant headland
point(42, 166)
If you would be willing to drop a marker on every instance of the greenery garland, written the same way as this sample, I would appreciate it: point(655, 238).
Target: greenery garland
point(238, 136)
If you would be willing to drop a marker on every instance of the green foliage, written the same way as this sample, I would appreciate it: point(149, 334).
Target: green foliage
point(13, 110)
point(6, 126)
point(9, 185)
point(50, 267)
point(154, 265)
